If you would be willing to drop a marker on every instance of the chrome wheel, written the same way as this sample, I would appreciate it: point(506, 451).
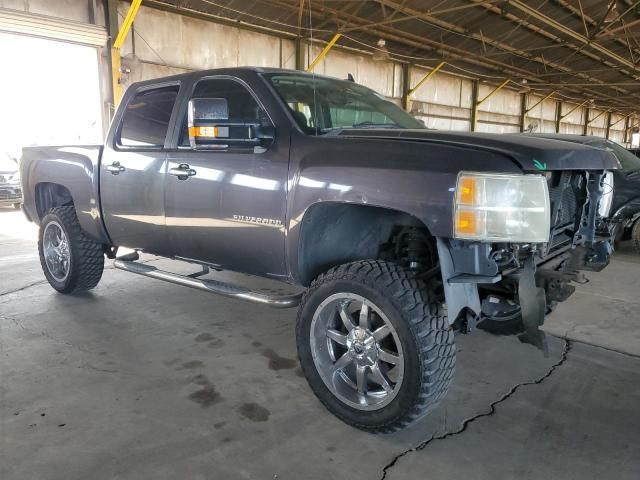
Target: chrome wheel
point(56, 251)
point(356, 351)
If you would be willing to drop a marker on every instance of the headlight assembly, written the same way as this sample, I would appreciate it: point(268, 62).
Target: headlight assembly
point(502, 208)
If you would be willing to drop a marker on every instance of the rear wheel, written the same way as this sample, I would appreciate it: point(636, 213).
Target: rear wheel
point(71, 261)
point(374, 346)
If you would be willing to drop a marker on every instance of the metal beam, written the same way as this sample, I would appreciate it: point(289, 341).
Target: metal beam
point(424, 80)
point(558, 115)
point(608, 129)
point(585, 127)
point(539, 102)
point(477, 103)
point(406, 72)
point(116, 73)
point(562, 117)
point(523, 110)
point(597, 116)
point(532, 12)
point(324, 52)
point(623, 118)
point(475, 86)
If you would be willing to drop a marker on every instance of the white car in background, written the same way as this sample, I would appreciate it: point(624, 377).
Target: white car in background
point(10, 187)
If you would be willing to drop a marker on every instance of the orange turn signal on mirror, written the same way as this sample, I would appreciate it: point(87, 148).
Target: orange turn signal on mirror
point(467, 189)
point(466, 222)
point(210, 132)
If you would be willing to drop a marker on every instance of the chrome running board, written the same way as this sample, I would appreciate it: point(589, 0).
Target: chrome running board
point(211, 286)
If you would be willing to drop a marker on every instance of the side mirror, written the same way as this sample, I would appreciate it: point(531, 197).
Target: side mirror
point(211, 128)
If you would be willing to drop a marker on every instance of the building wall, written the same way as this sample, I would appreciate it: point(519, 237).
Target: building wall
point(163, 43)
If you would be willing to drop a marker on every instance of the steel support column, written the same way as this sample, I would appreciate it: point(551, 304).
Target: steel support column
point(475, 86)
point(406, 74)
point(586, 121)
point(523, 110)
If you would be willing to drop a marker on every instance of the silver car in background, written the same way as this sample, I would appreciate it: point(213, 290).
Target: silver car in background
point(10, 187)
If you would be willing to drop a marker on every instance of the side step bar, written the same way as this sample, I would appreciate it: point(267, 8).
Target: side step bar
point(211, 286)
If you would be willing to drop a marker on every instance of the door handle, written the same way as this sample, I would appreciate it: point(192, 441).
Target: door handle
point(182, 172)
point(115, 168)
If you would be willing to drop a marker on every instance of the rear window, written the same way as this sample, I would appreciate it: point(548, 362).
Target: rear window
point(146, 118)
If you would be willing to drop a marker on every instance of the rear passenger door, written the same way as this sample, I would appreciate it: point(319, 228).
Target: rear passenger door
point(231, 210)
point(133, 169)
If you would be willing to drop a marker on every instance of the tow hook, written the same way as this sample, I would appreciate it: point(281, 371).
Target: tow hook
point(532, 306)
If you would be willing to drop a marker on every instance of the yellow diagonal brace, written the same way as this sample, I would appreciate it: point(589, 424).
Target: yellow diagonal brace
point(115, 51)
point(493, 92)
point(480, 102)
point(126, 24)
point(618, 121)
point(324, 52)
point(424, 80)
point(597, 117)
point(539, 102)
point(573, 109)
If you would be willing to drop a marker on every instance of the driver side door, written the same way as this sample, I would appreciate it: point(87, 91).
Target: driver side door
point(230, 210)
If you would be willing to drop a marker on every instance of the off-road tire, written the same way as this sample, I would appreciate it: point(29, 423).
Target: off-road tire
point(426, 337)
point(86, 255)
point(635, 236)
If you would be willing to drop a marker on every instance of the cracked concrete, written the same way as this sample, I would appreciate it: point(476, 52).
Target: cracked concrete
point(491, 411)
point(142, 379)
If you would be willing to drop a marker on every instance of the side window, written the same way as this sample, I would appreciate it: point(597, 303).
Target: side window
point(242, 107)
point(146, 118)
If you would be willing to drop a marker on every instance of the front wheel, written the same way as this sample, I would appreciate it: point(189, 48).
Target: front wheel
point(374, 346)
point(71, 261)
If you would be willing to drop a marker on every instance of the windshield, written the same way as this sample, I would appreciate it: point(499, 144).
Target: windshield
point(630, 163)
point(7, 164)
point(321, 104)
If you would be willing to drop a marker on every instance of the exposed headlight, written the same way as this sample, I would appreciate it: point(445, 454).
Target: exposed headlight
point(607, 195)
point(502, 208)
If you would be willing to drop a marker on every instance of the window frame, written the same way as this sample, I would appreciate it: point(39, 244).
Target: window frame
point(123, 109)
point(181, 113)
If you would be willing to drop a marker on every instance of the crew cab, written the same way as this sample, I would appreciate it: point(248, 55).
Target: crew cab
point(395, 236)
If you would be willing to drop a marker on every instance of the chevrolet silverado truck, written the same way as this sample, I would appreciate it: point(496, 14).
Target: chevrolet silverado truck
point(397, 236)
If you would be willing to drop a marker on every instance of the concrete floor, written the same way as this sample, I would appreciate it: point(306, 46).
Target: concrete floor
point(142, 379)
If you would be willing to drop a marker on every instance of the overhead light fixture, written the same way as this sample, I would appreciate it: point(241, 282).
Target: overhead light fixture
point(381, 53)
point(612, 12)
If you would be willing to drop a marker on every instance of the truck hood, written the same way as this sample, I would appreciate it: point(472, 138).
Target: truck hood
point(530, 153)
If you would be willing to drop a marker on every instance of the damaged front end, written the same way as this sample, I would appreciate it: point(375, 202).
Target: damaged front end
point(514, 280)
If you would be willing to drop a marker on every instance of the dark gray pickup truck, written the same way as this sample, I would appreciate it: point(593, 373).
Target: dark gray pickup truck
point(396, 235)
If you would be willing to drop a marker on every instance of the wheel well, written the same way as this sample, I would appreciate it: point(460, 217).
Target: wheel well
point(49, 195)
point(336, 233)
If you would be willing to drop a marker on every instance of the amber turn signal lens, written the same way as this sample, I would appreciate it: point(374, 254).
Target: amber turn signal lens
point(211, 132)
point(467, 191)
point(466, 222)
